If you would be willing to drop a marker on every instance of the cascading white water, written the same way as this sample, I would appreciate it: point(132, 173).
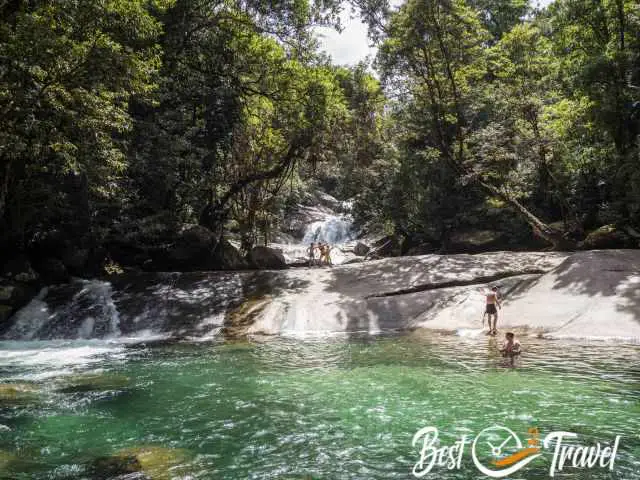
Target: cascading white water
point(334, 230)
point(134, 306)
point(30, 319)
point(89, 313)
point(107, 319)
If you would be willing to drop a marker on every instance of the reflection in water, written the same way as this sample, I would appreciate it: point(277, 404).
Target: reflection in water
point(341, 408)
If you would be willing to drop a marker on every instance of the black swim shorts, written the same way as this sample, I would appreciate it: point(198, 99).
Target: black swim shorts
point(491, 309)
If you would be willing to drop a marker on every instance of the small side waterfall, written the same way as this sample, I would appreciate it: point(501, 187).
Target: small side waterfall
point(132, 306)
point(30, 319)
point(84, 309)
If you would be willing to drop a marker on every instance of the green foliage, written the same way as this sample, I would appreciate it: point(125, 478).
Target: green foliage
point(224, 112)
point(68, 70)
point(534, 110)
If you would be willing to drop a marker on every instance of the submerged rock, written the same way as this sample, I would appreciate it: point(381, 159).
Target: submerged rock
point(155, 462)
point(106, 468)
point(6, 460)
point(15, 394)
point(609, 236)
point(95, 382)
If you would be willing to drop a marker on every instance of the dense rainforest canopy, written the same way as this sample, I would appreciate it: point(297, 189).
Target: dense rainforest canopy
point(475, 114)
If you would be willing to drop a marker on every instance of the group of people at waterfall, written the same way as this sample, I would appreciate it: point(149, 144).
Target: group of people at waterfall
point(511, 347)
point(319, 254)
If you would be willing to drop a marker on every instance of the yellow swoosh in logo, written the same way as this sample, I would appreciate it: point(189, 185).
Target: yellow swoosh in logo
point(516, 457)
point(512, 463)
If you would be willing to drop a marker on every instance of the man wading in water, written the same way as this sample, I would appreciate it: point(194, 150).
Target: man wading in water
point(490, 309)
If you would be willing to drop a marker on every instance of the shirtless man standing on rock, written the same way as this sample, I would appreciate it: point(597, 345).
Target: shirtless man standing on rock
point(492, 302)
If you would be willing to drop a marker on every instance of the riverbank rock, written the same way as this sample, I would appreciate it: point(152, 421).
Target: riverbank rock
point(76, 260)
point(387, 246)
point(13, 296)
point(593, 294)
point(159, 244)
point(19, 269)
point(228, 257)
point(5, 313)
point(361, 249)
point(191, 249)
point(53, 270)
point(266, 258)
point(608, 236)
point(477, 241)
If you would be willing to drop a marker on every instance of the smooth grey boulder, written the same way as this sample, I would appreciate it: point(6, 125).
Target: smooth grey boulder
point(228, 257)
point(266, 258)
point(361, 249)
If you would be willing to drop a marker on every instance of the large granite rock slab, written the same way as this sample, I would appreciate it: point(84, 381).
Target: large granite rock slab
point(583, 295)
point(593, 294)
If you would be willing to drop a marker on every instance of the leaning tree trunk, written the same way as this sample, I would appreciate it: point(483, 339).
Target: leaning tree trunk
point(548, 233)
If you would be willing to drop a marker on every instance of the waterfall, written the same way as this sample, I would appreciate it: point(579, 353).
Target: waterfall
point(137, 306)
point(83, 309)
point(30, 319)
point(333, 229)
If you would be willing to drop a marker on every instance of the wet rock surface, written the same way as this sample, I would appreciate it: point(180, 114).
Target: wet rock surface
point(582, 294)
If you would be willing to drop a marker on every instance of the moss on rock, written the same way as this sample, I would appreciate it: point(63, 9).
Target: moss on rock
point(94, 382)
point(15, 394)
point(158, 463)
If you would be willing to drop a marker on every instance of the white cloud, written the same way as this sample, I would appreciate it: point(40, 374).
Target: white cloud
point(351, 45)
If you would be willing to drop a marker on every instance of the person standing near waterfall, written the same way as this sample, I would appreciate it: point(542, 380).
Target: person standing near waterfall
point(327, 254)
point(312, 254)
point(491, 302)
point(323, 252)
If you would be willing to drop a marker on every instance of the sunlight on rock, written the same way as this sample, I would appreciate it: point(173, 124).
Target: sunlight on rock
point(155, 462)
point(239, 320)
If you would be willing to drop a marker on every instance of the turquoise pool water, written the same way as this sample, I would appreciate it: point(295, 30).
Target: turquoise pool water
point(331, 408)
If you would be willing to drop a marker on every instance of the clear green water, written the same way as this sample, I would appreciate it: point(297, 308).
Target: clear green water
point(337, 408)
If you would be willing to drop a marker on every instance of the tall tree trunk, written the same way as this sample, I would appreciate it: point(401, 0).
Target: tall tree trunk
point(550, 234)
